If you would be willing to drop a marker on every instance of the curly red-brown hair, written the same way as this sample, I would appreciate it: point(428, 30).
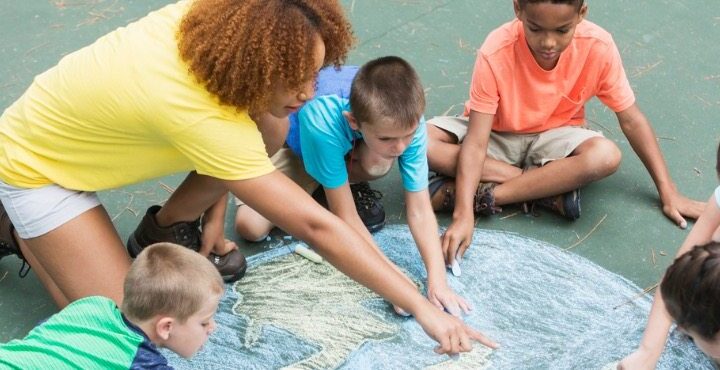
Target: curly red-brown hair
point(239, 50)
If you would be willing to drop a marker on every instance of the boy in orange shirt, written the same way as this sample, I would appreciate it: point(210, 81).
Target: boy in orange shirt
point(522, 133)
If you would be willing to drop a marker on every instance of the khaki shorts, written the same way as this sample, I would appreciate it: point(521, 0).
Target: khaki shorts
point(523, 150)
point(291, 166)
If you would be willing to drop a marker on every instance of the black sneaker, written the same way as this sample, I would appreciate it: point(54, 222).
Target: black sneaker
point(367, 204)
point(231, 266)
point(566, 205)
point(8, 244)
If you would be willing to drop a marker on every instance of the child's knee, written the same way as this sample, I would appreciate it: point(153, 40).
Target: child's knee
point(610, 161)
point(251, 233)
point(603, 157)
point(250, 228)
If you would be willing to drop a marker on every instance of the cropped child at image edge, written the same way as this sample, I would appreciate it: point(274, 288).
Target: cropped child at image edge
point(171, 295)
point(694, 282)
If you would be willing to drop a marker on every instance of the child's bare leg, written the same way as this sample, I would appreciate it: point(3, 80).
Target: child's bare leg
point(83, 257)
point(443, 152)
point(251, 225)
point(594, 159)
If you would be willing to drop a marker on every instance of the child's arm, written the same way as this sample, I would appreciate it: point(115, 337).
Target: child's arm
point(458, 236)
point(345, 249)
point(659, 321)
point(643, 141)
point(341, 204)
point(213, 230)
point(423, 226)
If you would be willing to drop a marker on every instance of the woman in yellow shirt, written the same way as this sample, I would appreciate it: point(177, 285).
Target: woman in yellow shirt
point(203, 86)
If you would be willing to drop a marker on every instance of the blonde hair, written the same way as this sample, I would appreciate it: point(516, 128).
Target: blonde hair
point(169, 279)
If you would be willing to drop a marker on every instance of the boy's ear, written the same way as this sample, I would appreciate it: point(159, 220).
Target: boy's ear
point(583, 11)
point(516, 6)
point(351, 119)
point(163, 327)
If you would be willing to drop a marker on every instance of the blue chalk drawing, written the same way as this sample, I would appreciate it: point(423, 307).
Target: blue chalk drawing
point(549, 309)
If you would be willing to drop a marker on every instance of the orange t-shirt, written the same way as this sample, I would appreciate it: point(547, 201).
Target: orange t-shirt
point(508, 82)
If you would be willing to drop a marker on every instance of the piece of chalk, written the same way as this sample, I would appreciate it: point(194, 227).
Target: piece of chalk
point(611, 366)
point(287, 237)
point(268, 238)
point(308, 253)
point(455, 268)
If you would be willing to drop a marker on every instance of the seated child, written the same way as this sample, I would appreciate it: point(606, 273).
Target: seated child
point(522, 137)
point(171, 295)
point(253, 227)
point(691, 291)
point(346, 139)
point(706, 230)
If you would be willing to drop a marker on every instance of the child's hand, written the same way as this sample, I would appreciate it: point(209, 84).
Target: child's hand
point(213, 240)
point(638, 360)
point(451, 333)
point(444, 298)
point(457, 238)
point(675, 206)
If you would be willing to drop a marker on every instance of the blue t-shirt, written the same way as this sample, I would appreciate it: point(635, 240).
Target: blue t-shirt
point(325, 137)
point(90, 333)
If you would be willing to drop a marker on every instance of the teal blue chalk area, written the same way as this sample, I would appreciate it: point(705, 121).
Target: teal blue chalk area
point(549, 309)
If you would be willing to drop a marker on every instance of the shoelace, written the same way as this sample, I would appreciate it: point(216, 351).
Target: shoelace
point(366, 197)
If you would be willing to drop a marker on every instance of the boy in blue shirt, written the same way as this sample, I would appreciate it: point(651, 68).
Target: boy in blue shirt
point(171, 294)
point(345, 139)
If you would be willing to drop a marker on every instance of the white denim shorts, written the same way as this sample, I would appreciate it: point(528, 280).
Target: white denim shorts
point(35, 212)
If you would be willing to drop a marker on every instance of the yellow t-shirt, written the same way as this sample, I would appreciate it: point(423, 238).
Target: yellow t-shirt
point(123, 110)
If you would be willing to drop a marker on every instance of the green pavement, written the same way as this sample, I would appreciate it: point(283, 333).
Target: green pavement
point(669, 52)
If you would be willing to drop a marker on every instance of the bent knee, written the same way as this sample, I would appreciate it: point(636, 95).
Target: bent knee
point(252, 231)
point(251, 234)
point(601, 156)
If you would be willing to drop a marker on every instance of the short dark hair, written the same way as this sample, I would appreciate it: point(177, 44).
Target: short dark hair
point(577, 3)
point(387, 87)
point(691, 290)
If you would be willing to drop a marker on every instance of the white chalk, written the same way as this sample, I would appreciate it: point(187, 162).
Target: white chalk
point(287, 237)
point(611, 366)
point(268, 238)
point(307, 253)
point(455, 268)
